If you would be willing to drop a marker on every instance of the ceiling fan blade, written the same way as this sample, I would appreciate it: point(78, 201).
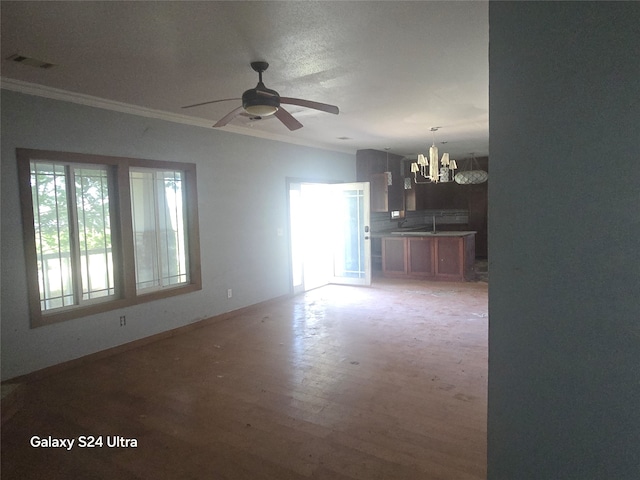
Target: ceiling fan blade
point(228, 117)
point(289, 121)
point(323, 107)
point(211, 101)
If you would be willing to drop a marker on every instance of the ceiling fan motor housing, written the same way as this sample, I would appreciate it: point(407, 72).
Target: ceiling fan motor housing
point(261, 101)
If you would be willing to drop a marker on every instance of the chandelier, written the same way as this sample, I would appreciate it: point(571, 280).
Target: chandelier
point(432, 170)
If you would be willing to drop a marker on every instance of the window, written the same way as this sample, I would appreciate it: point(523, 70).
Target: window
point(103, 232)
point(158, 228)
point(72, 233)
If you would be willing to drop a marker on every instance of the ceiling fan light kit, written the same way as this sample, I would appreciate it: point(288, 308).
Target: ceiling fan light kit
point(263, 102)
point(259, 110)
point(260, 101)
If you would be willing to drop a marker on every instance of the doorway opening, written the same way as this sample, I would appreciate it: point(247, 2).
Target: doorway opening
point(330, 238)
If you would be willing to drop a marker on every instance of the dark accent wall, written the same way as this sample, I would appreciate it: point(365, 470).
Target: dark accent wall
point(564, 256)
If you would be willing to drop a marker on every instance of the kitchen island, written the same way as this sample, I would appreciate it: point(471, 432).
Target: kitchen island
point(446, 255)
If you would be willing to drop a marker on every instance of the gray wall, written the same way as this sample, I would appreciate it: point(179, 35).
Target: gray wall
point(242, 202)
point(564, 251)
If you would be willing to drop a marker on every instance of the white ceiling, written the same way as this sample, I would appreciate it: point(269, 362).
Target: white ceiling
point(395, 69)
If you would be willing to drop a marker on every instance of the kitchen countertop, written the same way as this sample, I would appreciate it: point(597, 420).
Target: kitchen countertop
point(414, 233)
point(420, 230)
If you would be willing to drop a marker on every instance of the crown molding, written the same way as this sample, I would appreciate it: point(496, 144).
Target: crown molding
point(91, 101)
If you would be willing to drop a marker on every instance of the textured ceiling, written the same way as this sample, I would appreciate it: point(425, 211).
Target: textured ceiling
point(395, 69)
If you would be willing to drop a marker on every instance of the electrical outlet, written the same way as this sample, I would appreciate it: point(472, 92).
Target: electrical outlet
point(123, 320)
point(229, 293)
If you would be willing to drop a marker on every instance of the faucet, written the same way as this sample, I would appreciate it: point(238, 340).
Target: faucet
point(402, 222)
point(434, 223)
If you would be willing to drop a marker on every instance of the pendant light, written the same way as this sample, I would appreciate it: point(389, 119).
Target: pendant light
point(472, 174)
point(387, 173)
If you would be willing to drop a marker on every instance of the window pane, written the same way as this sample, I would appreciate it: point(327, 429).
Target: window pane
point(348, 240)
point(160, 237)
point(172, 228)
point(53, 244)
point(94, 232)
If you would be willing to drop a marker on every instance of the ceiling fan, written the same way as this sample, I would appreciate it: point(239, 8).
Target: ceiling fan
point(262, 102)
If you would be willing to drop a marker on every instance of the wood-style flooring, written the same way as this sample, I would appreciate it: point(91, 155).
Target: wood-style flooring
point(386, 382)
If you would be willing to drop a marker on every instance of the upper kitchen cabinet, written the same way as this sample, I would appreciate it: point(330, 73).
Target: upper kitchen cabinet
point(379, 192)
point(371, 166)
point(434, 196)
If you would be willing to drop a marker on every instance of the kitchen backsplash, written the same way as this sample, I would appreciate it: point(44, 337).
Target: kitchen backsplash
point(381, 221)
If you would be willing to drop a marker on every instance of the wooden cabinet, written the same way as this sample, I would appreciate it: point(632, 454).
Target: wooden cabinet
point(420, 256)
point(370, 167)
point(436, 196)
point(438, 257)
point(394, 258)
point(379, 192)
point(449, 258)
point(414, 197)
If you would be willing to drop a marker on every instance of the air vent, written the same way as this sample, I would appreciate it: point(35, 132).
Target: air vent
point(32, 62)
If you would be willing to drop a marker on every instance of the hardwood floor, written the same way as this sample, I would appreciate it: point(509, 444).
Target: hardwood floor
point(387, 382)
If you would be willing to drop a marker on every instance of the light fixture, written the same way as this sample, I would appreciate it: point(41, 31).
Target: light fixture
point(387, 173)
point(432, 170)
point(472, 174)
point(261, 110)
point(260, 101)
